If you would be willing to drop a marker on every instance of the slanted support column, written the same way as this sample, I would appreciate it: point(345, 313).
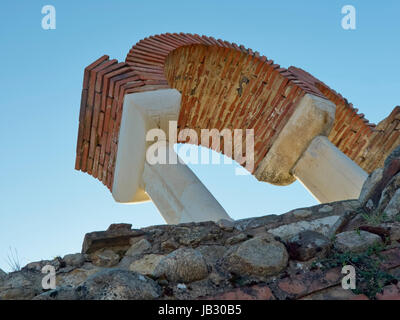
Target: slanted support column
point(302, 151)
point(177, 192)
point(328, 173)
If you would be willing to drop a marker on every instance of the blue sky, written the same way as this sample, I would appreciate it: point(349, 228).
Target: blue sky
point(46, 206)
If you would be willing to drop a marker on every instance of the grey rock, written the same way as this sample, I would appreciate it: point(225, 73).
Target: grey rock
point(325, 208)
point(356, 241)
point(395, 154)
point(117, 235)
point(194, 234)
point(61, 293)
point(258, 257)
point(225, 224)
point(394, 230)
point(75, 259)
point(393, 207)
point(251, 223)
point(270, 222)
point(302, 213)
point(370, 185)
point(76, 276)
point(307, 245)
point(169, 245)
point(182, 265)
point(147, 264)
point(236, 239)
point(388, 193)
point(125, 262)
point(105, 258)
point(354, 223)
point(138, 248)
point(212, 253)
point(326, 226)
point(21, 285)
point(57, 263)
point(116, 284)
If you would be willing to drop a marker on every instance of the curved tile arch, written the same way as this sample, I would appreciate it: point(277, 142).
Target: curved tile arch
point(152, 64)
point(365, 143)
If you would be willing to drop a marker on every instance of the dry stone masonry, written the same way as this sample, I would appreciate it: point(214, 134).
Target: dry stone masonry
point(296, 255)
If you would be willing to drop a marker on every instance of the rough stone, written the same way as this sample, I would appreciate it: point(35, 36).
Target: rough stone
point(309, 214)
point(395, 154)
point(393, 229)
point(212, 253)
point(105, 258)
point(382, 232)
point(326, 226)
point(356, 241)
point(74, 260)
point(258, 257)
point(393, 207)
point(354, 223)
point(236, 239)
point(116, 284)
point(57, 263)
point(147, 264)
point(302, 213)
point(388, 193)
point(119, 227)
point(226, 224)
point(326, 208)
point(117, 235)
point(169, 245)
point(182, 265)
point(194, 234)
point(138, 248)
point(307, 245)
point(76, 276)
point(370, 185)
point(21, 285)
point(61, 293)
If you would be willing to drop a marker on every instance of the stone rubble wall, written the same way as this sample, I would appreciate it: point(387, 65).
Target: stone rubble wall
point(269, 257)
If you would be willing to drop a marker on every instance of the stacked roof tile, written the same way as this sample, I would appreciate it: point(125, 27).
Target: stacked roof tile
point(223, 85)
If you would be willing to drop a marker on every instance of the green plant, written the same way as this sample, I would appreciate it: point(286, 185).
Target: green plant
point(370, 276)
point(375, 218)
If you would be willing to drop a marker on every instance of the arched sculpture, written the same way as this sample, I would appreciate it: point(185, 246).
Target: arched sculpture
point(302, 129)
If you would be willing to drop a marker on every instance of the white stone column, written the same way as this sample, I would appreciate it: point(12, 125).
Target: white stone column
point(328, 173)
point(141, 112)
point(175, 190)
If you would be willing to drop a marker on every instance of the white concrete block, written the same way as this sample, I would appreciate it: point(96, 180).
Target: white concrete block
point(328, 173)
